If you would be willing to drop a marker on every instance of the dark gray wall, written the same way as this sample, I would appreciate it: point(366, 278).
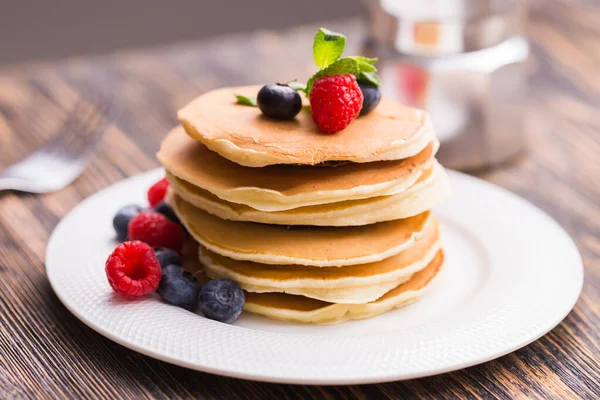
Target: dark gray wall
point(38, 29)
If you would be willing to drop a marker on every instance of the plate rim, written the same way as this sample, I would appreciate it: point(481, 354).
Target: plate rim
point(393, 375)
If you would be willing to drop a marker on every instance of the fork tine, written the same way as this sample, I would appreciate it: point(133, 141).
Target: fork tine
point(91, 128)
point(83, 121)
point(80, 143)
point(87, 135)
point(67, 129)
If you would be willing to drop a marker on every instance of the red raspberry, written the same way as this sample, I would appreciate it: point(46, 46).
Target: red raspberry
point(156, 230)
point(133, 269)
point(335, 101)
point(157, 192)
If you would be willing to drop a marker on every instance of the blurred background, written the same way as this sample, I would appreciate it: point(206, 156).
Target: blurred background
point(34, 29)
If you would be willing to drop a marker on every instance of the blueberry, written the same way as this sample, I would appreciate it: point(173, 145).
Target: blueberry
point(279, 101)
point(179, 288)
point(122, 218)
point(167, 257)
point(221, 300)
point(167, 211)
point(371, 96)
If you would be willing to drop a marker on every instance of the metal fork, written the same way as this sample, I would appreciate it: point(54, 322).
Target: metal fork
point(67, 154)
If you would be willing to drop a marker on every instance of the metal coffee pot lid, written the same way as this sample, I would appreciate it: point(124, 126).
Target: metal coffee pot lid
point(442, 27)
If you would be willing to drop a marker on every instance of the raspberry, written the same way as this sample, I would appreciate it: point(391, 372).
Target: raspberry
point(157, 192)
point(335, 101)
point(156, 230)
point(133, 270)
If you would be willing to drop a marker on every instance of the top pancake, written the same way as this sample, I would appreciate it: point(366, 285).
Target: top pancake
point(243, 135)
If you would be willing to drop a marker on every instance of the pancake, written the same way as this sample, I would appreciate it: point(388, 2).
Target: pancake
point(350, 295)
point(243, 135)
point(431, 188)
point(350, 284)
point(284, 187)
point(303, 309)
point(283, 245)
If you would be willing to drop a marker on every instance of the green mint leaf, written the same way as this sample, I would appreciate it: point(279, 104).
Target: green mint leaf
point(328, 47)
point(370, 77)
point(366, 60)
point(297, 85)
point(365, 64)
point(342, 66)
point(247, 101)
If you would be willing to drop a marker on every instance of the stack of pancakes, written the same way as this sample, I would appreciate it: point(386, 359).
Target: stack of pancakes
point(315, 228)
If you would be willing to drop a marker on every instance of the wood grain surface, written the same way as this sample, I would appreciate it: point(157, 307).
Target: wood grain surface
point(45, 352)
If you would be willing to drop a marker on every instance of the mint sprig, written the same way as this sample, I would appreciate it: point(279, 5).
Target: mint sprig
point(327, 47)
point(327, 50)
point(245, 100)
point(370, 77)
point(297, 85)
point(366, 64)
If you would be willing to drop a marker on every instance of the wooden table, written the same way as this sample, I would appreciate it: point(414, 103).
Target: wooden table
point(45, 352)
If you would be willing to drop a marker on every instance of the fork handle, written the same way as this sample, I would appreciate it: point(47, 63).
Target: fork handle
point(10, 183)
point(6, 183)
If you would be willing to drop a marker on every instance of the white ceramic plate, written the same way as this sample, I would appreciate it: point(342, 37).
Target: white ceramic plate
point(511, 275)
